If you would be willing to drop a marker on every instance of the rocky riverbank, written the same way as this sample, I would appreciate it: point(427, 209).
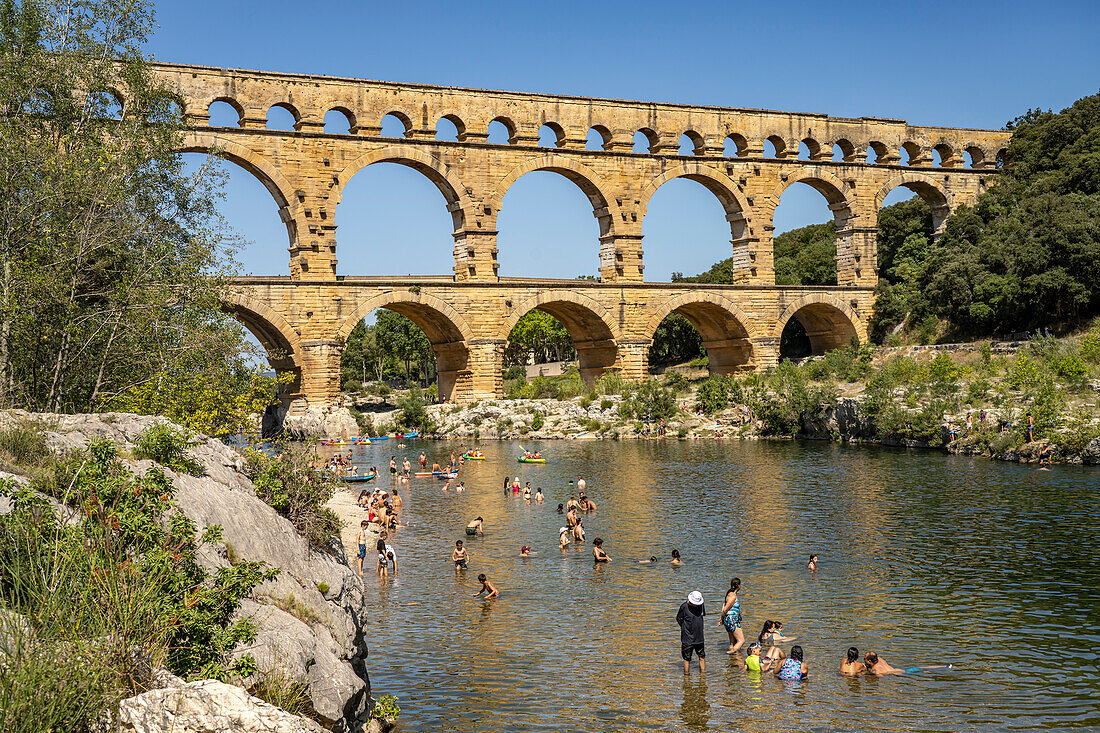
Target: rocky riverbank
point(308, 618)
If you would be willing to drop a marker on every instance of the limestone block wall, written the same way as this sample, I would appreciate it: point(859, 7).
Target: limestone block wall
point(306, 168)
point(468, 323)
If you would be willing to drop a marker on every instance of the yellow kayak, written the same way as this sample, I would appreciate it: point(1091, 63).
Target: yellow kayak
point(532, 460)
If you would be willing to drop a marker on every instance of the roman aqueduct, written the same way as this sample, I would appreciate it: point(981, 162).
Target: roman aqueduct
point(302, 318)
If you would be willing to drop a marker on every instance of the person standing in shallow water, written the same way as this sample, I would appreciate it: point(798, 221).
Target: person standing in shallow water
point(731, 617)
point(692, 640)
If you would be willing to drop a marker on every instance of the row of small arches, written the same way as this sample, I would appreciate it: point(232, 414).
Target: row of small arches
point(501, 131)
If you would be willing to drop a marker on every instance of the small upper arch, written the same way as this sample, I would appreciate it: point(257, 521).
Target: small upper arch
point(926, 186)
point(977, 155)
point(401, 116)
point(877, 152)
point(551, 135)
point(946, 154)
point(913, 153)
point(598, 137)
point(231, 102)
point(825, 183)
point(778, 146)
point(504, 123)
point(693, 141)
point(459, 125)
point(347, 114)
point(735, 145)
point(648, 140)
point(813, 147)
point(844, 150)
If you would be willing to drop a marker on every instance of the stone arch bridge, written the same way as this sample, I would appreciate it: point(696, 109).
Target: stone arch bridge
point(302, 318)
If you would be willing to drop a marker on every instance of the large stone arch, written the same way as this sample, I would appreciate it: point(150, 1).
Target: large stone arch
point(722, 186)
point(604, 206)
point(434, 168)
point(726, 329)
point(928, 188)
point(259, 166)
point(855, 250)
point(280, 340)
point(591, 326)
point(445, 327)
point(830, 323)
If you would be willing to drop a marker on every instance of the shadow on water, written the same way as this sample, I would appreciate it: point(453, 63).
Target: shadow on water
point(924, 558)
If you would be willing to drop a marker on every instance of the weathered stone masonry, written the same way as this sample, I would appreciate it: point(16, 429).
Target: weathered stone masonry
point(304, 317)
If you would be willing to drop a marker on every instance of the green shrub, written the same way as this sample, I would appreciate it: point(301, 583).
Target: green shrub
point(606, 404)
point(515, 372)
point(1078, 430)
point(1089, 346)
point(593, 426)
point(322, 587)
point(537, 421)
point(1002, 442)
point(676, 381)
point(301, 611)
point(167, 446)
point(108, 599)
point(291, 486)
point(649, 401)
point(1071, 368)
point(386, 708)
point(612, 382)
point(1024, 374)
point(412, 414)
point(365, 422)
point(713, 394)
point(23, 444)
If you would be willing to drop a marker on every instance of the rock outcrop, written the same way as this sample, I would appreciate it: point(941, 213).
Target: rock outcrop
point(308, 618)
point(318, 422)
point(206, 706)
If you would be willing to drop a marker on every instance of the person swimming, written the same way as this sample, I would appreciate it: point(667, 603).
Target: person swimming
point(475, 527)
point(851, 666)
point(598, 554)
point(794, 668)
point(675, 558)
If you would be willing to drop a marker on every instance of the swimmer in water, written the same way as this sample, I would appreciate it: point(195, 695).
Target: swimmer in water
point(525, 551)
point(460, 556)
point(652, 558)
point(475, 527)
point(538, 495)
point(756, 663)
point(675, 558)
point(794, 668)
point(877, 665)
point(598, 554)
point(851, 666)
point(487, 588)
point(812, 565)
point(730, 617)
point(563, 537)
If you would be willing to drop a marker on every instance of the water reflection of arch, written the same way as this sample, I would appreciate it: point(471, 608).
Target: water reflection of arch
point(719, 184)
point(589, 324)
point(726, 329)
point(279, 339)
point(257, 165)
point(829, 322)
point(925, 186)
point(446, 329)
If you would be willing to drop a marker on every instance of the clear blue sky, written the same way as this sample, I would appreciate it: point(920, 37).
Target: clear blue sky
point(971, 64)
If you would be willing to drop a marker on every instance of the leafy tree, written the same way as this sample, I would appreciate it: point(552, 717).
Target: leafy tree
point(362, 359)
point(1028, 255)
point(397, 337)
point(111, 260)
point(541, 333)
point(806, 256)
point(675, 341)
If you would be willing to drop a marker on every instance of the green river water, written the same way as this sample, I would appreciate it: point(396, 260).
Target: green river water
point(924, 558)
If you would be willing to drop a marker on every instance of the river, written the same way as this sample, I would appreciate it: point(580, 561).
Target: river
point(924, 558)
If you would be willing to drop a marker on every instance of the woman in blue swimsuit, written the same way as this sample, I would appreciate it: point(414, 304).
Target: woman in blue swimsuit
point(731, 616)
point(794, 668)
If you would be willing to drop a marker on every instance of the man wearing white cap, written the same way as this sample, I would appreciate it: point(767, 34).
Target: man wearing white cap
point(690, 618)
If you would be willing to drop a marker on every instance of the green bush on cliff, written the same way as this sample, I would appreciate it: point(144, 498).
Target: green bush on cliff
point(90, 607)
point(288, 482)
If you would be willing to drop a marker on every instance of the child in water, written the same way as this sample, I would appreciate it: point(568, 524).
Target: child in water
point(487, 588)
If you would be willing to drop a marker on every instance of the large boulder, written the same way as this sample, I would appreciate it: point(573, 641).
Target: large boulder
point(206, 706)
point(321, 422)
point(1090, 454)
